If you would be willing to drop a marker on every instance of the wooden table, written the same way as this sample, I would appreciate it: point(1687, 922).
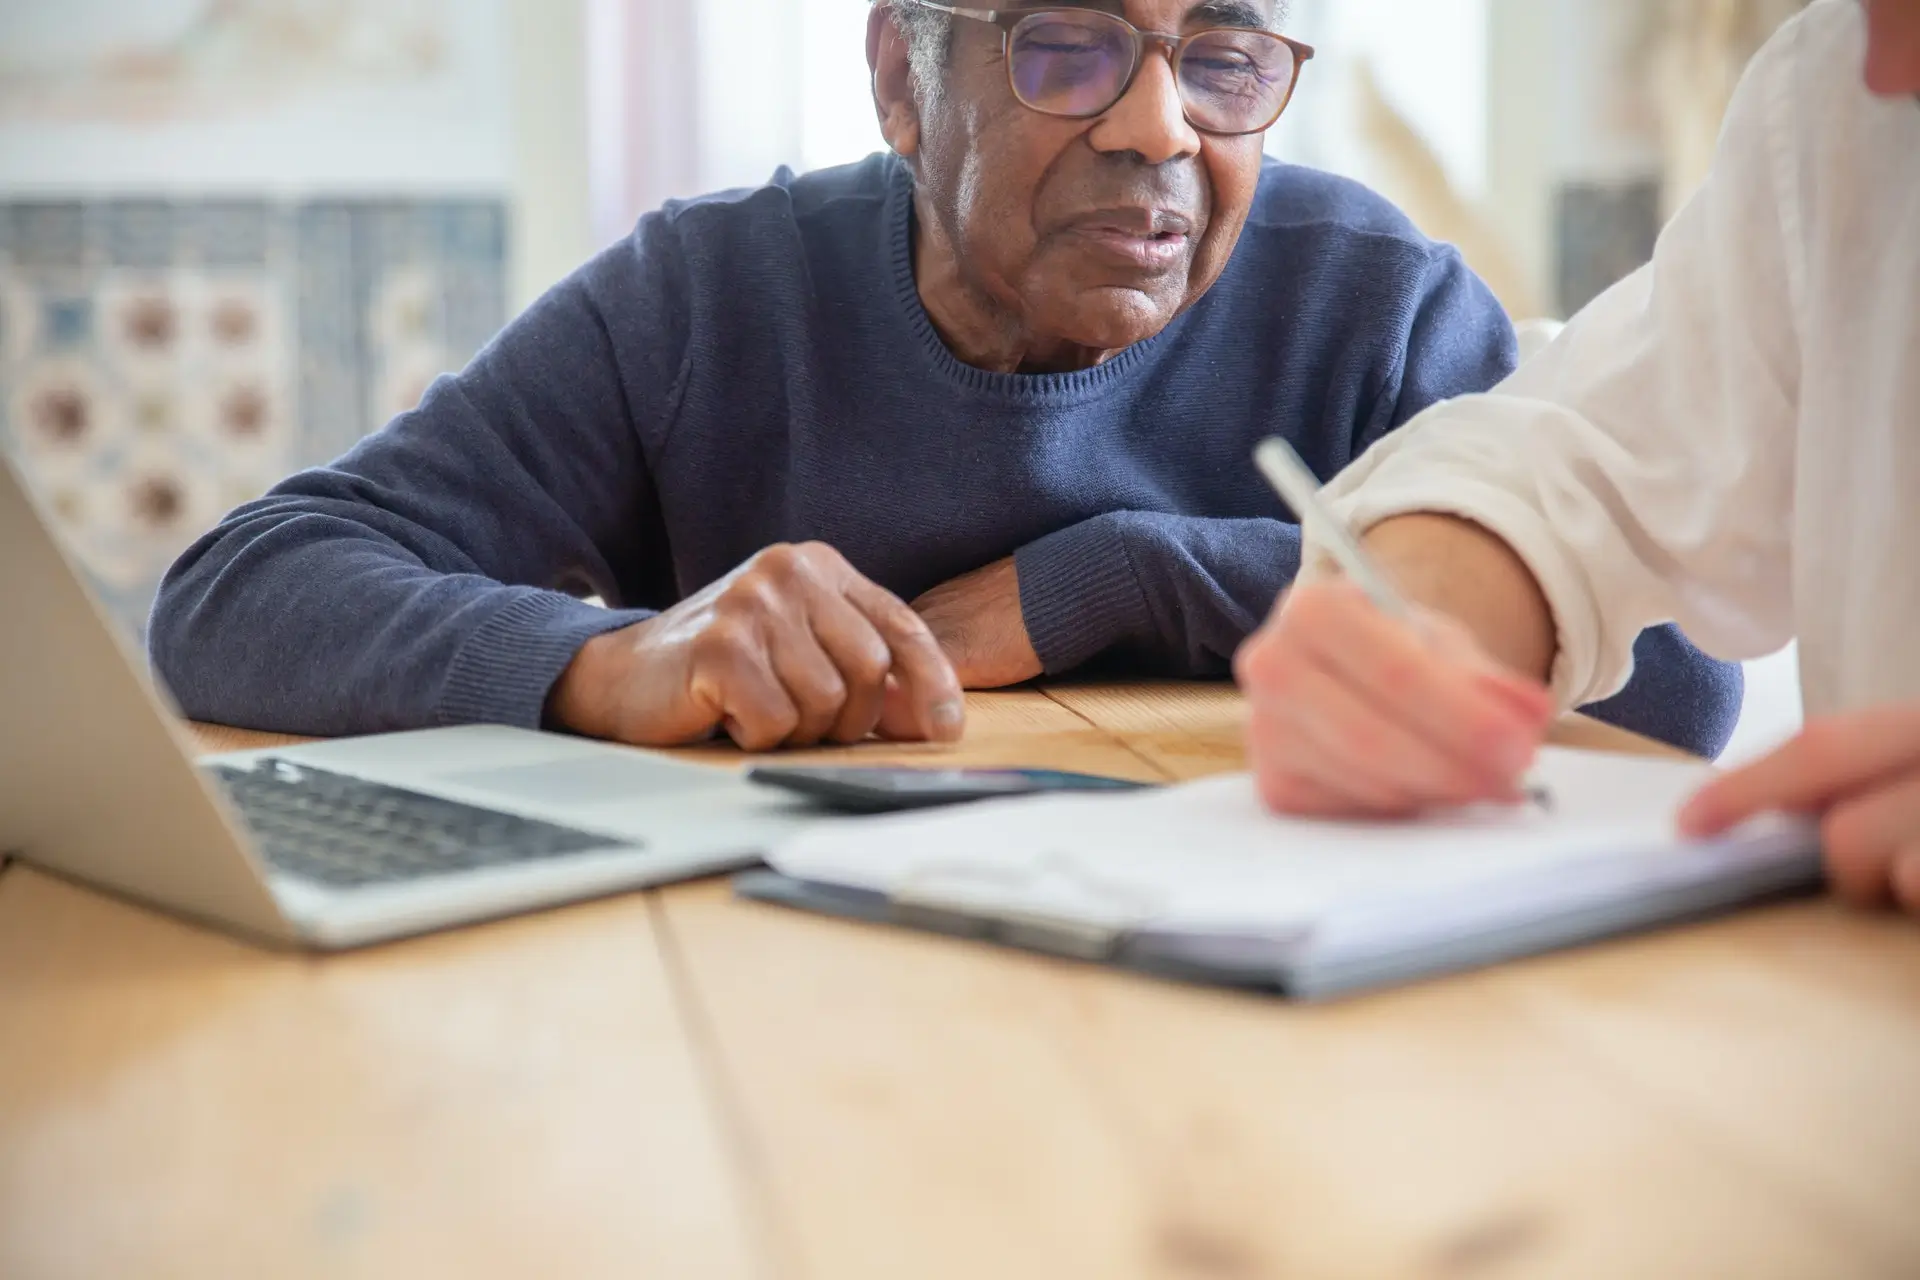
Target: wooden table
point(675, 1084)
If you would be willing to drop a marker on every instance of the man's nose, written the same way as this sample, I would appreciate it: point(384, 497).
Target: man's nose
point(1149, 120)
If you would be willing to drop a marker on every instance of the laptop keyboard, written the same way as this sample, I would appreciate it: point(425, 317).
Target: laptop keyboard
point(349, 833)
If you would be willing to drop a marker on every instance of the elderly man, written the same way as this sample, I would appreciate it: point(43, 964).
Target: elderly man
point(1012, 372)
point(1730, 438)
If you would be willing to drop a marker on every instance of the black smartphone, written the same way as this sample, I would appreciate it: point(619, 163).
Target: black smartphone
point(888, 790)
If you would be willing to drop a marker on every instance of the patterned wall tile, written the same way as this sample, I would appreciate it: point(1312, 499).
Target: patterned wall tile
point(164, 361)
point(48, 235)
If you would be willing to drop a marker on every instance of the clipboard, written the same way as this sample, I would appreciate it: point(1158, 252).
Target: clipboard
point(1056, 897)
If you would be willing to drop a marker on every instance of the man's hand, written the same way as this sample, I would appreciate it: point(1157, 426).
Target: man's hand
point(1354, 714)
point(791, 649)
point(978, 622)
point(1860, 774)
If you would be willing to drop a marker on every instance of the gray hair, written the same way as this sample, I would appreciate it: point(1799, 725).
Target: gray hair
point(928, 32)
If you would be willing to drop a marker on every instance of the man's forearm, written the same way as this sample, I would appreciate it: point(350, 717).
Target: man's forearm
point(1458, 568)
point(1178, 592)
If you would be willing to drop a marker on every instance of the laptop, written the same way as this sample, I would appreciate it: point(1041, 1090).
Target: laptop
point(330, 845)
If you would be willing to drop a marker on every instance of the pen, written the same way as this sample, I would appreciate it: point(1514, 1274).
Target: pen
point(1299, 488)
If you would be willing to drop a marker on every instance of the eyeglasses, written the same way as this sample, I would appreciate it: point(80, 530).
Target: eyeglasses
point(1079, 62)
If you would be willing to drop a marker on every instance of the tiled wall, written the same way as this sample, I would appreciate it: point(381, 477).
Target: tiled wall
point(164, 361)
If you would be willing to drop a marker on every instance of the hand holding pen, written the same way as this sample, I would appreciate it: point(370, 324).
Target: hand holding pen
point(1362, 705)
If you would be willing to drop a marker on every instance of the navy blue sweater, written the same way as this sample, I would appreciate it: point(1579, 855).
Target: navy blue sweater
point(756, 368)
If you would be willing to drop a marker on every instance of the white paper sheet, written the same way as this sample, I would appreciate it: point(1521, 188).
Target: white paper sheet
point(1206, 858)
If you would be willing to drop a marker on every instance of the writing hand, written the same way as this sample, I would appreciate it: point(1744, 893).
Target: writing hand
point(1355, 714)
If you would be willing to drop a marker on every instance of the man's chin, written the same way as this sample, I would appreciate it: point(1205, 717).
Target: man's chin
point(1111, 317)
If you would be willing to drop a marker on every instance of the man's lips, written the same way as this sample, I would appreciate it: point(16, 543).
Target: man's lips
point(1138, 220)
point(1151, 238)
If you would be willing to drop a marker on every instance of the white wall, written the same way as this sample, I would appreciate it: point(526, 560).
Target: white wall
point(552, 215)
point(836, 117)
point(1554, 114)
point(1429, 58)
point(1521, 135)
point(750, 78)
point(249, 116)
point(506, 117)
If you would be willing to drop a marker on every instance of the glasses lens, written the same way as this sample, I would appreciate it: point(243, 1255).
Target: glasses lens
point(1069, 63)
point(1235, 81)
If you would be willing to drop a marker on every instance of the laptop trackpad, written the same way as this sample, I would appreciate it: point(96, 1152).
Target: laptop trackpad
point(594, 780)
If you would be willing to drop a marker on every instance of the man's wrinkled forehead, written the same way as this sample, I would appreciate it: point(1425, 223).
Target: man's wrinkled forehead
point(1200, 13)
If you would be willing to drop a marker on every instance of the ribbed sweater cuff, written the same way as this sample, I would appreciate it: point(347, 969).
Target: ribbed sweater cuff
point(505, 670)
point(1079, 594)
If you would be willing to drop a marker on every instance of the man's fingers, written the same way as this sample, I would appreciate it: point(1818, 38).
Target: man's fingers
point(756, 710)
point(928, 693)
point(1829, 759)
point(899, 718)
point(801, 648)
point(813, 683)
point(857, 649)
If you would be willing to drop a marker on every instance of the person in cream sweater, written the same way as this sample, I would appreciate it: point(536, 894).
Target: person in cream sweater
point(1730, 439)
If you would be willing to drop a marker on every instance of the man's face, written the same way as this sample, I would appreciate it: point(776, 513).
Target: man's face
point(1095, 232)
point(1893, 46)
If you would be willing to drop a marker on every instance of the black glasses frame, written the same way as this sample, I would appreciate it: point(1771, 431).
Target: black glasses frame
point(1176, 47)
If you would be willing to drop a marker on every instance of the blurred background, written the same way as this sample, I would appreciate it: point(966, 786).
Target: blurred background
point(237, 234)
